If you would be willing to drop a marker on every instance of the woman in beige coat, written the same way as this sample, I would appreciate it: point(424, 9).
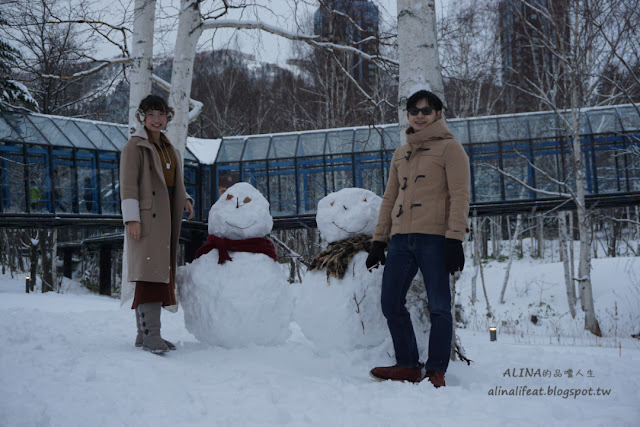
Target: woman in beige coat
point(153, 198)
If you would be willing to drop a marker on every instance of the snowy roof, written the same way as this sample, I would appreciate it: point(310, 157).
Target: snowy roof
point(58, 131)
point(512, 127)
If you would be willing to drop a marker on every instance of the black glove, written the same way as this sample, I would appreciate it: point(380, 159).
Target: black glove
point(453, 255)
point(376, 254)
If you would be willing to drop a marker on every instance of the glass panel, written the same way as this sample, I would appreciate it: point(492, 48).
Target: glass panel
point(311, 144)
point(255, 173)
point(98, 138)
point(283, 146)
point(47, 127)
point(369, 139)
point(256, 148)
point(23, 130)
point(390, 138)
point(227, 175)
point(604, 121)
point(630, 118)
point(485, 177)
point(282, 187)
point(484, 130)
point(543, 125)
point(109, 188)
point(207, 193)
point(369, 171)
point(114, 134)
point(189, 156)
point(515, 162)
point(340, 142)
point(191, 185)
point(230, 149)
point(552, 161)
point(87, 185)
point(12, 190)
point(75, 135)
point(6, 132)
point(459, 130)
point(63, 180)
point(339, 171)
point(39, 179)
point(513, 128)
point(310, 183)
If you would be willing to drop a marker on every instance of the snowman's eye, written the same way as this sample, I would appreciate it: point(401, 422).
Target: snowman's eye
point(246, 200)
point(365, 200)
point(229, 196)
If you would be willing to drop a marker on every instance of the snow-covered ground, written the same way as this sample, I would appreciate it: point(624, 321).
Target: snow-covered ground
point(68, 360)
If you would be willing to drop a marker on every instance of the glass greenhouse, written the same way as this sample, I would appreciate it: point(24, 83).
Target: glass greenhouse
point(61, 166)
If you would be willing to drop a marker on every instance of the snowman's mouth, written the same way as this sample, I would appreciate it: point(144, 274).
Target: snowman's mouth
point(348, 231)
point(241, 228)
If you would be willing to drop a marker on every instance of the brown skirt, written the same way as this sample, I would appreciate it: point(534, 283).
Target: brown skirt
point(155, 292)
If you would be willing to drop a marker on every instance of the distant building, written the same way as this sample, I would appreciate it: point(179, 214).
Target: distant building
point(338, 28)
point(525, 34)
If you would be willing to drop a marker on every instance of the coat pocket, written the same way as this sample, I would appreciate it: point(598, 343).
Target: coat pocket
point(145, 216)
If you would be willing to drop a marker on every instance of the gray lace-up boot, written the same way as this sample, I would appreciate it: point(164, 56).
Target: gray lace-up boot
point(150, 324)
point(139, 336)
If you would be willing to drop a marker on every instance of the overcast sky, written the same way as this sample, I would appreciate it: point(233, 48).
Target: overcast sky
point(265, 47)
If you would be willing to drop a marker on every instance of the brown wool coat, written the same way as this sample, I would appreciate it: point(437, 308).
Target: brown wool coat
point(145, 198)
point(428, 187)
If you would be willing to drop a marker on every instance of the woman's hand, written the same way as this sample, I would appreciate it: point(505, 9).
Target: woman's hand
point(134, 229)
point(188, 207)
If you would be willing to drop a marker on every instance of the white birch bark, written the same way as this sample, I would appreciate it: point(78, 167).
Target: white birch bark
point(512, 240)
point(189, 31)
point(418, 54)
point(562, 237)
point(142, 56)
point(584, 264)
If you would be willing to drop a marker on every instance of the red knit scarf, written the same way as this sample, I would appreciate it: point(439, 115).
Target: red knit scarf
point(258, 245)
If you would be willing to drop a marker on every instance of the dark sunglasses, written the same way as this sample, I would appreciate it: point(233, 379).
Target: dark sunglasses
point(425, 111)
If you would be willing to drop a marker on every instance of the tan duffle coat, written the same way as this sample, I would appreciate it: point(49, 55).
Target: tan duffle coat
point(428, 187)
point(144, 198)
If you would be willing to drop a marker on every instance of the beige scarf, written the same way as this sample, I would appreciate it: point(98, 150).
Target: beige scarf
point(335, 259)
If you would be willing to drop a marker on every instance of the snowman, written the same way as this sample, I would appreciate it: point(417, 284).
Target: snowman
point(234, 293)
point(338, 306)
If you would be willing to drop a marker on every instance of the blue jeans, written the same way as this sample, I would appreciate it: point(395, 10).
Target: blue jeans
point(407, 253)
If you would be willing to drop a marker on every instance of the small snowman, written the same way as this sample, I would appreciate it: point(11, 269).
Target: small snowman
point(234, 293)
point(338, 306)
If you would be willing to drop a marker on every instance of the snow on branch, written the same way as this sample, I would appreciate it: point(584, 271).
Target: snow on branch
point(313, 40)
point(105, 63)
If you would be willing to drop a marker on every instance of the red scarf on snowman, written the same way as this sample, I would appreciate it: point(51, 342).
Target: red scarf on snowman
point(257, 245)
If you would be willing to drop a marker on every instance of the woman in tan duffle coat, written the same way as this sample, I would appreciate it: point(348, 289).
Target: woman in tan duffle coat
point(153, 198)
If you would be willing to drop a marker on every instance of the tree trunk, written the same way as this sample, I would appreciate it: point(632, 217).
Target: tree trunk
point(33, 243)
point(418, 54)
point(48, 245)
point(189, 31)
point(142, 55)
point(512, 240)
point(562, 237)
point(476, 260)
point(584, 265)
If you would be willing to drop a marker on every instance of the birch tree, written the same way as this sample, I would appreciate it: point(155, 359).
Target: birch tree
point(418, 54)
point(141, 68)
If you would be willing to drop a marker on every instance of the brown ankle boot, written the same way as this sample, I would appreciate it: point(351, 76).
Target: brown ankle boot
point(397, 373)
point(435, 377)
